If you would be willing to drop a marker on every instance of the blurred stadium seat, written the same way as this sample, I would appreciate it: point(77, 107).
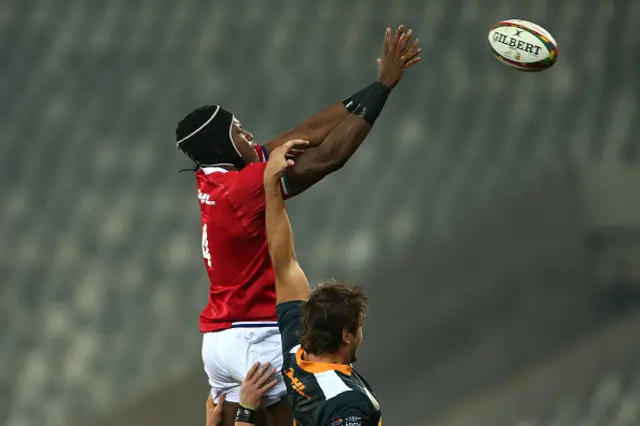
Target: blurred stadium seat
point(594, 382)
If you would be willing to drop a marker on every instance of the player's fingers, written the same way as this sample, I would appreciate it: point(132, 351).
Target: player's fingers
point(412, 63)
point(290, 163)
point(296, 144)
point(379, 60)
point(396, 37)
point(252, 372)
point(266, 376)
point(400, 49)
point(387, 41)
point(221, 400)
point(294, 151)
point(217, 408)
point(402, 43)
point(210, 404)
point(404, 40)
point(413, 47)
point(411, 54)
point(264, 389)
point(257, 378)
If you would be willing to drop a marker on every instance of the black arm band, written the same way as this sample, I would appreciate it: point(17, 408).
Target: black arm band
point(352, 102)
point(371, 106)
point(350, 105)
point(245, 415)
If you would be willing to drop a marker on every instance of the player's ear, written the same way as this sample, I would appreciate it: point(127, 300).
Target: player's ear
point(347, 337)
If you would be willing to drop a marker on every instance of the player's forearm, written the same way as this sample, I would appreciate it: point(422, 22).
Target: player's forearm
point(319, 126)
point(315, 129)
point(341, 143)
point(316, 163)
point(278, 227)
point(345, 139)
point(243, 424)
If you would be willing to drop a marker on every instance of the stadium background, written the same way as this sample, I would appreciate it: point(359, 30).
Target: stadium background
point(493, 216)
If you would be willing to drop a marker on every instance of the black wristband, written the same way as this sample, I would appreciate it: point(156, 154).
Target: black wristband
point(350, 105)
point(245, 415)
point(352, 102)
point(371, 106)
point(361, 94)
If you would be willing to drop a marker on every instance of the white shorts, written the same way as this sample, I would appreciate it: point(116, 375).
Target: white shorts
point(229, 354)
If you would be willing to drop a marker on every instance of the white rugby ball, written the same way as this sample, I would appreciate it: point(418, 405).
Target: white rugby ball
point(523, 45)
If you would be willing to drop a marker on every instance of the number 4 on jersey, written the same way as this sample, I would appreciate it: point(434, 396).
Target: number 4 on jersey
point(205, 245)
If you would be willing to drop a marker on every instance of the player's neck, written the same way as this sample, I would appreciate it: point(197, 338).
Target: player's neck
point(327, 358)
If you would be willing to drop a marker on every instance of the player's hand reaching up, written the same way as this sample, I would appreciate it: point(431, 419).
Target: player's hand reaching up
point(281, 159)
point(397, 56)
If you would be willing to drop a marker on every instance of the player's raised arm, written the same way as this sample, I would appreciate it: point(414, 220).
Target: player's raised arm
point(343, 141)
point(291, 282)
point(319, 126)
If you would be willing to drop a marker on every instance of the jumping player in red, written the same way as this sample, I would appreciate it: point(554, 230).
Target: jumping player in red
point(239, 323)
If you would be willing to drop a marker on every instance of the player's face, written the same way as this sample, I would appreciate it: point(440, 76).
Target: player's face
point(243, 141)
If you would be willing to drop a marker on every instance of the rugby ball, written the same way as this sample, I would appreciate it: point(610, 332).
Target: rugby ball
point(523, 45)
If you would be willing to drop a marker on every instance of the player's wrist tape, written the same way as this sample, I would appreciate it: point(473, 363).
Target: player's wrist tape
point(352, 102)
point(371, 106)
point(245, 415)
point(350, 105)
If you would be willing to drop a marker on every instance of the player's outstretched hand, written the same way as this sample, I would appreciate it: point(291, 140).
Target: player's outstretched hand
point(281, 159)
point(397, 56)
point(255, 385)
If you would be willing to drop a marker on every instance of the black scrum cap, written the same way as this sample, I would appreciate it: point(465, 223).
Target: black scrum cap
point(205, 136)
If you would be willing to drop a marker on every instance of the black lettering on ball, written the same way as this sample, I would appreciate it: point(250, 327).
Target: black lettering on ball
point(516, 43)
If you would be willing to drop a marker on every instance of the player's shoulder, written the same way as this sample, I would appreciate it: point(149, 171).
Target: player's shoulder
point(339, 392)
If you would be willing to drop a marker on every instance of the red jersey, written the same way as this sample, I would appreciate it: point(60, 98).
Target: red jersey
point(234, 246)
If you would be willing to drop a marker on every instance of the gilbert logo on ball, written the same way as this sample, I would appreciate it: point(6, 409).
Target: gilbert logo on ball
point(523, 45)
